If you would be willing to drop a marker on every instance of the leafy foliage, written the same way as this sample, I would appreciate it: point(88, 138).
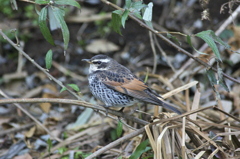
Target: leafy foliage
point(140, 150)
point(190, 43)
point(205, 35)
point(56, 18)
point(61, 150)
point(124, 17)
point(174, 38)
point(138, 5)
point(63, 89)
point(119, 128)
point(214, 81)
point(119, 17)
point(74, 86)
point(59, 15)
point(42, 1)
point(48, 59)
point(68, 2)
point(116, 20)
point(49, 143)
point(80, 153)
point(147, 16)
point(128, 3)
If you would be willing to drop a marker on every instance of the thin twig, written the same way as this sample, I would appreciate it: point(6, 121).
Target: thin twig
point(28, 114)
point(205, 45)
point(169, 41)
point(17, 129)
point(154, 52)
point(163, 53)
point(115, 143)
point(116, 119)
point(37, 65)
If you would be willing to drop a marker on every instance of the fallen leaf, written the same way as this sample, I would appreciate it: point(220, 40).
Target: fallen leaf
point(101, 45)
point(31, 132)
point(25, 156)
point(45, 107)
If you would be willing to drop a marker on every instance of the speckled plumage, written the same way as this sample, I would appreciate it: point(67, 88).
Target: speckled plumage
point(107, 95)
point(117, 86)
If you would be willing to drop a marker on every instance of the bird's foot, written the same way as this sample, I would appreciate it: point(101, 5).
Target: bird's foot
point(106, 107)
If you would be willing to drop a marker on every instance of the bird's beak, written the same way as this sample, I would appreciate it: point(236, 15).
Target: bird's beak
point(87, 60)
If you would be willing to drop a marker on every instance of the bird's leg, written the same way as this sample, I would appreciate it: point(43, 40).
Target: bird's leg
point(121, 111)
point(106, 111)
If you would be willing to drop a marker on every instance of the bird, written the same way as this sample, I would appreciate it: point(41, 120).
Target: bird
point(116, 86)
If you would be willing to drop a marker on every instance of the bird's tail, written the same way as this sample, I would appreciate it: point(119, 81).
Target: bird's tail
point(165, 105)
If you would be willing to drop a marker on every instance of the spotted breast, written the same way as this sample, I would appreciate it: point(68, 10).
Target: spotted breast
point(107, 95)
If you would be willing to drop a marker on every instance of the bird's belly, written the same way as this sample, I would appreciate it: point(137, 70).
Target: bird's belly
point(109, 96)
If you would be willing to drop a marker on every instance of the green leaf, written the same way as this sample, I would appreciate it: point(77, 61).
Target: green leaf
point(150, 156)
point(138, 15)
point(211, 76)
point(63, 89)
point(119, 12)
point(147, 16)
point(221, 80)
point(128, 3)
point(113, 134)
point(146, 77)
point(140, 149)
point(174, 38)
point(218, 40)
point(149, 23)
point(48, 59)
point(190, 43)
point(223, 84)
point(119, 128)
point(68, 2)
point(205, 35)
point(65, 135)
point(49, 142)
point(138, 5)
point(120, 157)
point(212, 79)
point(43, 26)
point(42, 1)
point(37, 10)
point(14, 4)
point(124, 17)
point(59, 13)
point(74, 86)
point(53, 22)
point(116, 21)
point(61, 150)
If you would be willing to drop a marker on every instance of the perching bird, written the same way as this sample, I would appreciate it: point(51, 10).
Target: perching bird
point(117, 86)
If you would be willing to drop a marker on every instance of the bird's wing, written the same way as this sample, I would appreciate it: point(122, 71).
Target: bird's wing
point(132, 86)
point(126, 84)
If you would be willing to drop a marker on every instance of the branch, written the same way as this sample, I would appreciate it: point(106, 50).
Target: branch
point(37, 65)
point(115, 143)
point(72, 102)
point(169, 41)
point(28, 114)
point(204, 46)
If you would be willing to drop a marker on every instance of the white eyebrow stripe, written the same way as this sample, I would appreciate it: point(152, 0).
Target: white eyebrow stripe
point(102, 60)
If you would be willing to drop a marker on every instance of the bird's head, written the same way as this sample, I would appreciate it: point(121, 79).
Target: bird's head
point(99, 63)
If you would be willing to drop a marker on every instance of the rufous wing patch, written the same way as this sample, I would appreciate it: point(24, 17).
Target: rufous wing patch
point(134, 88)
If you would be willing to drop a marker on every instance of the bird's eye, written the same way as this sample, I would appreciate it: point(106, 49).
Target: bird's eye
point(97, 62)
